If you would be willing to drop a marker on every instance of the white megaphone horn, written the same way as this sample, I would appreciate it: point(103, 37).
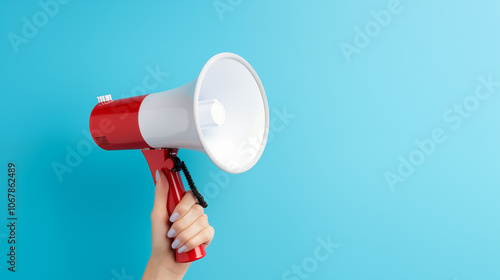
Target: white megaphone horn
point(223, 113)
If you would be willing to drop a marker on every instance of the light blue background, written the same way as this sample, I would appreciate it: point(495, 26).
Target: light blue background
point(322, 173)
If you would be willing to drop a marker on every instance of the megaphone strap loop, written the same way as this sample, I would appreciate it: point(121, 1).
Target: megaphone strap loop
point(193, 188)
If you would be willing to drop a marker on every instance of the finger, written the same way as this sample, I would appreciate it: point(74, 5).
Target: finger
point(159, 215)
point(199, 225)
point(203, 237)
point(187, 201)
point(188, 219)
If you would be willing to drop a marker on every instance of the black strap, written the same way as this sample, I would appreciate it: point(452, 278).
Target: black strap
point(193, 188)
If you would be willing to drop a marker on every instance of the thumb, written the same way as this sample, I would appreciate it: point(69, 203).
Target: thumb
point(159, 214)
point(161, 192)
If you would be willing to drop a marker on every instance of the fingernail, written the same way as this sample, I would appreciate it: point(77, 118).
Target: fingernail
point(157, 177)
point(175, 243)
point(182, 249)
point(171, 233)
point(174, 217)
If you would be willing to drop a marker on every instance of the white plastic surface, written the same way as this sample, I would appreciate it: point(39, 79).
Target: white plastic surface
point(211, 113)
point(227, 93)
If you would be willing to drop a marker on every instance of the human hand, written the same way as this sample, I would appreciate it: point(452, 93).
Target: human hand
point(188, 230)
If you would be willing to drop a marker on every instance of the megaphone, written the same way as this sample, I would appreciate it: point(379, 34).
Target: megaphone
point(223, 113)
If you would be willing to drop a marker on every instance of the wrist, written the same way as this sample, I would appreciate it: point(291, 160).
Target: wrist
point(157, 271)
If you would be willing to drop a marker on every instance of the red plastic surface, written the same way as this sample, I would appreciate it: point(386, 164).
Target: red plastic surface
point(114, 124)
point(161, 159)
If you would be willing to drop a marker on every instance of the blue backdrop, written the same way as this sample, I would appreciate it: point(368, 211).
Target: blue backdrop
point(382, 163)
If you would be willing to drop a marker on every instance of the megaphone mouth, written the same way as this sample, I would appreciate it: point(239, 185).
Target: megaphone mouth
point(240, 112)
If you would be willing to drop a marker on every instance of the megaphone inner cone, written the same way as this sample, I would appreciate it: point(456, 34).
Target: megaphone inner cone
point(212, 113)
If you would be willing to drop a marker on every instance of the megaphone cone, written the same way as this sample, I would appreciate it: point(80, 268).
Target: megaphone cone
point(222, 113)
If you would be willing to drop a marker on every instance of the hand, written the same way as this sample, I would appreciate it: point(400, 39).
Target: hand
point(190, 229)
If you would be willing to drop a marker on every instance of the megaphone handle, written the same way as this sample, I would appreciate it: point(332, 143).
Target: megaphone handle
point(165, 160)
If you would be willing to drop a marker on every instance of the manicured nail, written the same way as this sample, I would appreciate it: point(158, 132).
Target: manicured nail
point(157, 175)
point(175, 244)
point(182, 249)
point(174, 217)
point(171, 233)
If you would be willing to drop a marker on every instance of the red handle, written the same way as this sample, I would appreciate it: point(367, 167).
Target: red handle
point(164, 160)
